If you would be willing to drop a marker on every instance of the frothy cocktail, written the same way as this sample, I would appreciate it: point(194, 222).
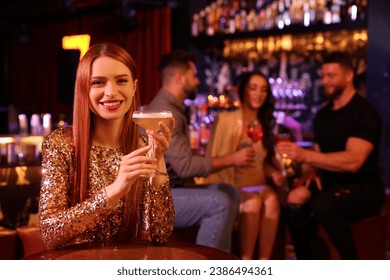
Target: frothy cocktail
point(150, 119)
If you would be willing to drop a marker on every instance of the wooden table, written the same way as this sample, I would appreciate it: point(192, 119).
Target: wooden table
point(133, 251)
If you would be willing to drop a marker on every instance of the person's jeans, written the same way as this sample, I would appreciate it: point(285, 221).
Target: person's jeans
point(213, 209)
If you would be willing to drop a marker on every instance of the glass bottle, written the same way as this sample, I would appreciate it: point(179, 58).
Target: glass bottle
point(193, 129)
point(204, 128)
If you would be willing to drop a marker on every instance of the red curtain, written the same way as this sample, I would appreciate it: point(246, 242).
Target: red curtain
point(33, 67)
point(151, 39)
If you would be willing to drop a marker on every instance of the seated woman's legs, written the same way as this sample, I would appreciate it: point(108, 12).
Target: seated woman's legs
point(269, 221)
point(250, 208)
point(259, 219)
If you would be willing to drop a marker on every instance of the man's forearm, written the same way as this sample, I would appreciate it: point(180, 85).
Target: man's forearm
point(219, 163)
point(336, 162)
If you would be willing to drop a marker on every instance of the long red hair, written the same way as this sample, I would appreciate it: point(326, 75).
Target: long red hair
point(82, 133)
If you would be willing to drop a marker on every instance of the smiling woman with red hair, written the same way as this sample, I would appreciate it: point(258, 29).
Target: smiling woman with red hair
point(92, 185)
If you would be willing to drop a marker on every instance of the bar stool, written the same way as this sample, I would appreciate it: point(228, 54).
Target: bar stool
point(7, 244)
point(369, 236)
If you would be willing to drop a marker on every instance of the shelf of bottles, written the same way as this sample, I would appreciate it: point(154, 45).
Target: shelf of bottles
point(234, 16)
point(288, 94)
point(23, 146)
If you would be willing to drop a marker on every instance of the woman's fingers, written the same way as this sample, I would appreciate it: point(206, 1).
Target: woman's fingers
point(171, 124)
point(139, 169)
point(138, 152)
point(163, 137)
point(138, 156)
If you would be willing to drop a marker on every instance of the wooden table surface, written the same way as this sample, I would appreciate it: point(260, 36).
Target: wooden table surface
point(133, 251)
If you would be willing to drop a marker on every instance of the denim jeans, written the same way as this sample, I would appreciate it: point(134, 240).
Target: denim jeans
point(213, 208)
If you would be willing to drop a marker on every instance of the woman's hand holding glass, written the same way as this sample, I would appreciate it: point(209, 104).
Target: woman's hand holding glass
point(133, 165)
point(248, 152)
point(140, 163)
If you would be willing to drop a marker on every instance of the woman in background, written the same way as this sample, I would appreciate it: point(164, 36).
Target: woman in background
point(258, 178)
point(92, 188)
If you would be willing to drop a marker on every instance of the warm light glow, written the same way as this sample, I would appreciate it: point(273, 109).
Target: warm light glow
point(5, 140)
point(319, 39)
point(76, 42)
point(287, 43)
point(360, 36)
point(259, 45)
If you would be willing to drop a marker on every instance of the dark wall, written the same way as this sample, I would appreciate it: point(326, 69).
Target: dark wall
point(378, 72)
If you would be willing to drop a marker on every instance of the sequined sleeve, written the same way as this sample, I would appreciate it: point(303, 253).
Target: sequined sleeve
point(159, 211)
point(61, 224)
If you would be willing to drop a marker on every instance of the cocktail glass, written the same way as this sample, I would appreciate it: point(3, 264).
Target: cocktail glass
point(283, 158)
point(149, 119)
point(254, 131)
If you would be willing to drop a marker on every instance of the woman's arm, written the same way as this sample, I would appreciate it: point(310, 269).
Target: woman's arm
point(159, 211)
point(59, 222)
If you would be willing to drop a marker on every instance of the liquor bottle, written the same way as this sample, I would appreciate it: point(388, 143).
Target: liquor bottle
point(279, 21)
point(193, 129)
point(232, 21)
point(352, 10)
point(362, 9)
point(286, 13)
point(23, 126)
point(319, 11)
point(213, 18)
point(202, 22)
point(204, 128)
point(327, 12)
point(219, 12)
point(209, 17)
point(312, 11)
point(335, 9)
point(35, 124)
point(306, 14)
point(195, 25)
point(251, 20)
point(243, 23)
point(223, 21)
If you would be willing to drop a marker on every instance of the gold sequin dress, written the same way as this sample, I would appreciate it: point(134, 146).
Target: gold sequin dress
point(96, 218)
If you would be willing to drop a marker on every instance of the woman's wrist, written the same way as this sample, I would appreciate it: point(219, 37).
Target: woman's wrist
point(111, 194)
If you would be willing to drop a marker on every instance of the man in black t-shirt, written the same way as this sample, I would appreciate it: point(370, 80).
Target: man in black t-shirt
point(342, 171)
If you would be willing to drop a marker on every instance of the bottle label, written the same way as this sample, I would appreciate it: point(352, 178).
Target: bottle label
point(194, 140)
point(204, 135)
